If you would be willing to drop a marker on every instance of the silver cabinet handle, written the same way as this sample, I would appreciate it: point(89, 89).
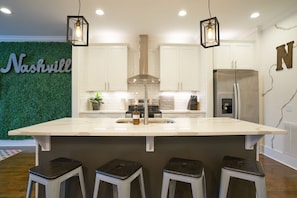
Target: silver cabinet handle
point(238, 101)
point(235, 101)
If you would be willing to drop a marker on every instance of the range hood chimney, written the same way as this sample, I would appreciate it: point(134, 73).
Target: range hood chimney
point(143, 77)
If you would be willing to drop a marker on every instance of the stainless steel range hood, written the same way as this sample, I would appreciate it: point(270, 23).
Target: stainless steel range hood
point(143, 77)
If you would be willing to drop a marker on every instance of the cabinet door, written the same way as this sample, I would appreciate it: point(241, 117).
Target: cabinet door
point(244, 56)
point(189, 68)
point(169, 68)
point(222, 57)
point(117, 68)
point(234, 56)
point(179, 68)
point(96, 68)
point(107, 68)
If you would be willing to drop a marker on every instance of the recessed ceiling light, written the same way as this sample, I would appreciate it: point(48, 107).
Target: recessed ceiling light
point(100, 12)
point(5, 10)
point(182, 13)
point(255, 15)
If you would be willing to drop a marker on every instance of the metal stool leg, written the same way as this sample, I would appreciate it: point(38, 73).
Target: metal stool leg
point(261, 188)
point(82, 182)
point(165, 185)
point(29, 188)
point(141, 184)
point(52, 189)
point(172, 185)
point(96, 187)
point(225, 179)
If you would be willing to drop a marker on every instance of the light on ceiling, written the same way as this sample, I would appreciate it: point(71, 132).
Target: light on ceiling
point(255, 15)
point(77, 30)
point(100, 12)
point(182, 13)
point(210, 31)
point(5, 10)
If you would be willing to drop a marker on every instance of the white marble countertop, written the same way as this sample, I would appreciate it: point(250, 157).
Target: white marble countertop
point(180, 127)
point(78, 127)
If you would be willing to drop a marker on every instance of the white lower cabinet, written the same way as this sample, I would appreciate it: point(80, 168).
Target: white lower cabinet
point(179, 68)
point(106, 68)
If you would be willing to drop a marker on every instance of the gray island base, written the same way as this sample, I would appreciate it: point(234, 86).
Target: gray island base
point(95, 141)
point(95, 151)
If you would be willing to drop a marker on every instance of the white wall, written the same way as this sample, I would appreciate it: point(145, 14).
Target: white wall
point(280, 147)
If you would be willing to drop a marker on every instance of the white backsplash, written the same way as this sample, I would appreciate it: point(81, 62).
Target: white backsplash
point(119, 100)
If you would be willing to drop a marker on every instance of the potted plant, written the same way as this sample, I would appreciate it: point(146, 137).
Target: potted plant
point(96, 101)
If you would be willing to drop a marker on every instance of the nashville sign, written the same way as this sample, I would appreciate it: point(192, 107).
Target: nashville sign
point(60, 66)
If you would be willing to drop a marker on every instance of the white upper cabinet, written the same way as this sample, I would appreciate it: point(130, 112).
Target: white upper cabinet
point(235, 56)
point(107, 68)
point(179, 68)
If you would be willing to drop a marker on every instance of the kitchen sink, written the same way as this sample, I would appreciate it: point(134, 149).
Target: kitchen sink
point(150, 121)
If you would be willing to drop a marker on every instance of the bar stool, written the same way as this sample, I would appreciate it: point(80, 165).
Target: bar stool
point(184, 170)
point(250, 170)
point(53, 173)
point(120, 173)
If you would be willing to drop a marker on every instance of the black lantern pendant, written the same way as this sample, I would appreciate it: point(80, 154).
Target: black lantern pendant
point(210, 32)
point(77, 30)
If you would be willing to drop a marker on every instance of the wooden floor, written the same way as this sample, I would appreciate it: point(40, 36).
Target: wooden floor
point(14, 173)
point(281, 181)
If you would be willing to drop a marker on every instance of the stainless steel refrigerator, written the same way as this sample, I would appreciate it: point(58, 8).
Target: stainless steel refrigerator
point(236, 94)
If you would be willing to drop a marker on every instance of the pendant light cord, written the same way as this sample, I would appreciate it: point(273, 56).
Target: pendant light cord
point(209, 9)
point(78, 7)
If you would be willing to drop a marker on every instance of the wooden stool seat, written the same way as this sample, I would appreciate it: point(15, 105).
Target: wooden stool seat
point(250, 170)
point(184, 170)
point(53, 173)
point(120, 173)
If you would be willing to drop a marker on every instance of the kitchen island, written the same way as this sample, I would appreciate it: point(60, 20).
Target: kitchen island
point(95, 141)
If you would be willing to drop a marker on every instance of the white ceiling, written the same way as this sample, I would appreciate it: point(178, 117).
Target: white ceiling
point(125, 18)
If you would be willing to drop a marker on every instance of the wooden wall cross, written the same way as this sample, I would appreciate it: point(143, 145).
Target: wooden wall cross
point(283, 55)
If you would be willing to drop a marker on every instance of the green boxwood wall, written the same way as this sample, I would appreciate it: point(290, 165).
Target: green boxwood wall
point(31, 98)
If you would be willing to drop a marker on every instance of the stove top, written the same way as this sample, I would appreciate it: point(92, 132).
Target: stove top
point(153, 111)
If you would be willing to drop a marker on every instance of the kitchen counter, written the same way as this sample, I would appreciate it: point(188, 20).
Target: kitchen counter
point(178, 127)
point(94, 141)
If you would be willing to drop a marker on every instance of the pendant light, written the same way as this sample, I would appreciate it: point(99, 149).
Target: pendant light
point(77, 30)
point(209, 31)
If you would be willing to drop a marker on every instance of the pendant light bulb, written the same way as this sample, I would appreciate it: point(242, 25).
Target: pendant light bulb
point(209, 31)
point(78, 32)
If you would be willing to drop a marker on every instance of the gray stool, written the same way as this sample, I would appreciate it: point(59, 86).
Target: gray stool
point(184, 170)
point(120, 173)
point(250, 170)
point(53, 173)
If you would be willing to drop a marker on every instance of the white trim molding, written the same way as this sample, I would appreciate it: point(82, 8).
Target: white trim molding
point(19, 38)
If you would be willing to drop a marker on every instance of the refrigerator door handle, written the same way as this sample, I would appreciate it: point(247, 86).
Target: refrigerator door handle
point(238, 101)
point(235, 101)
